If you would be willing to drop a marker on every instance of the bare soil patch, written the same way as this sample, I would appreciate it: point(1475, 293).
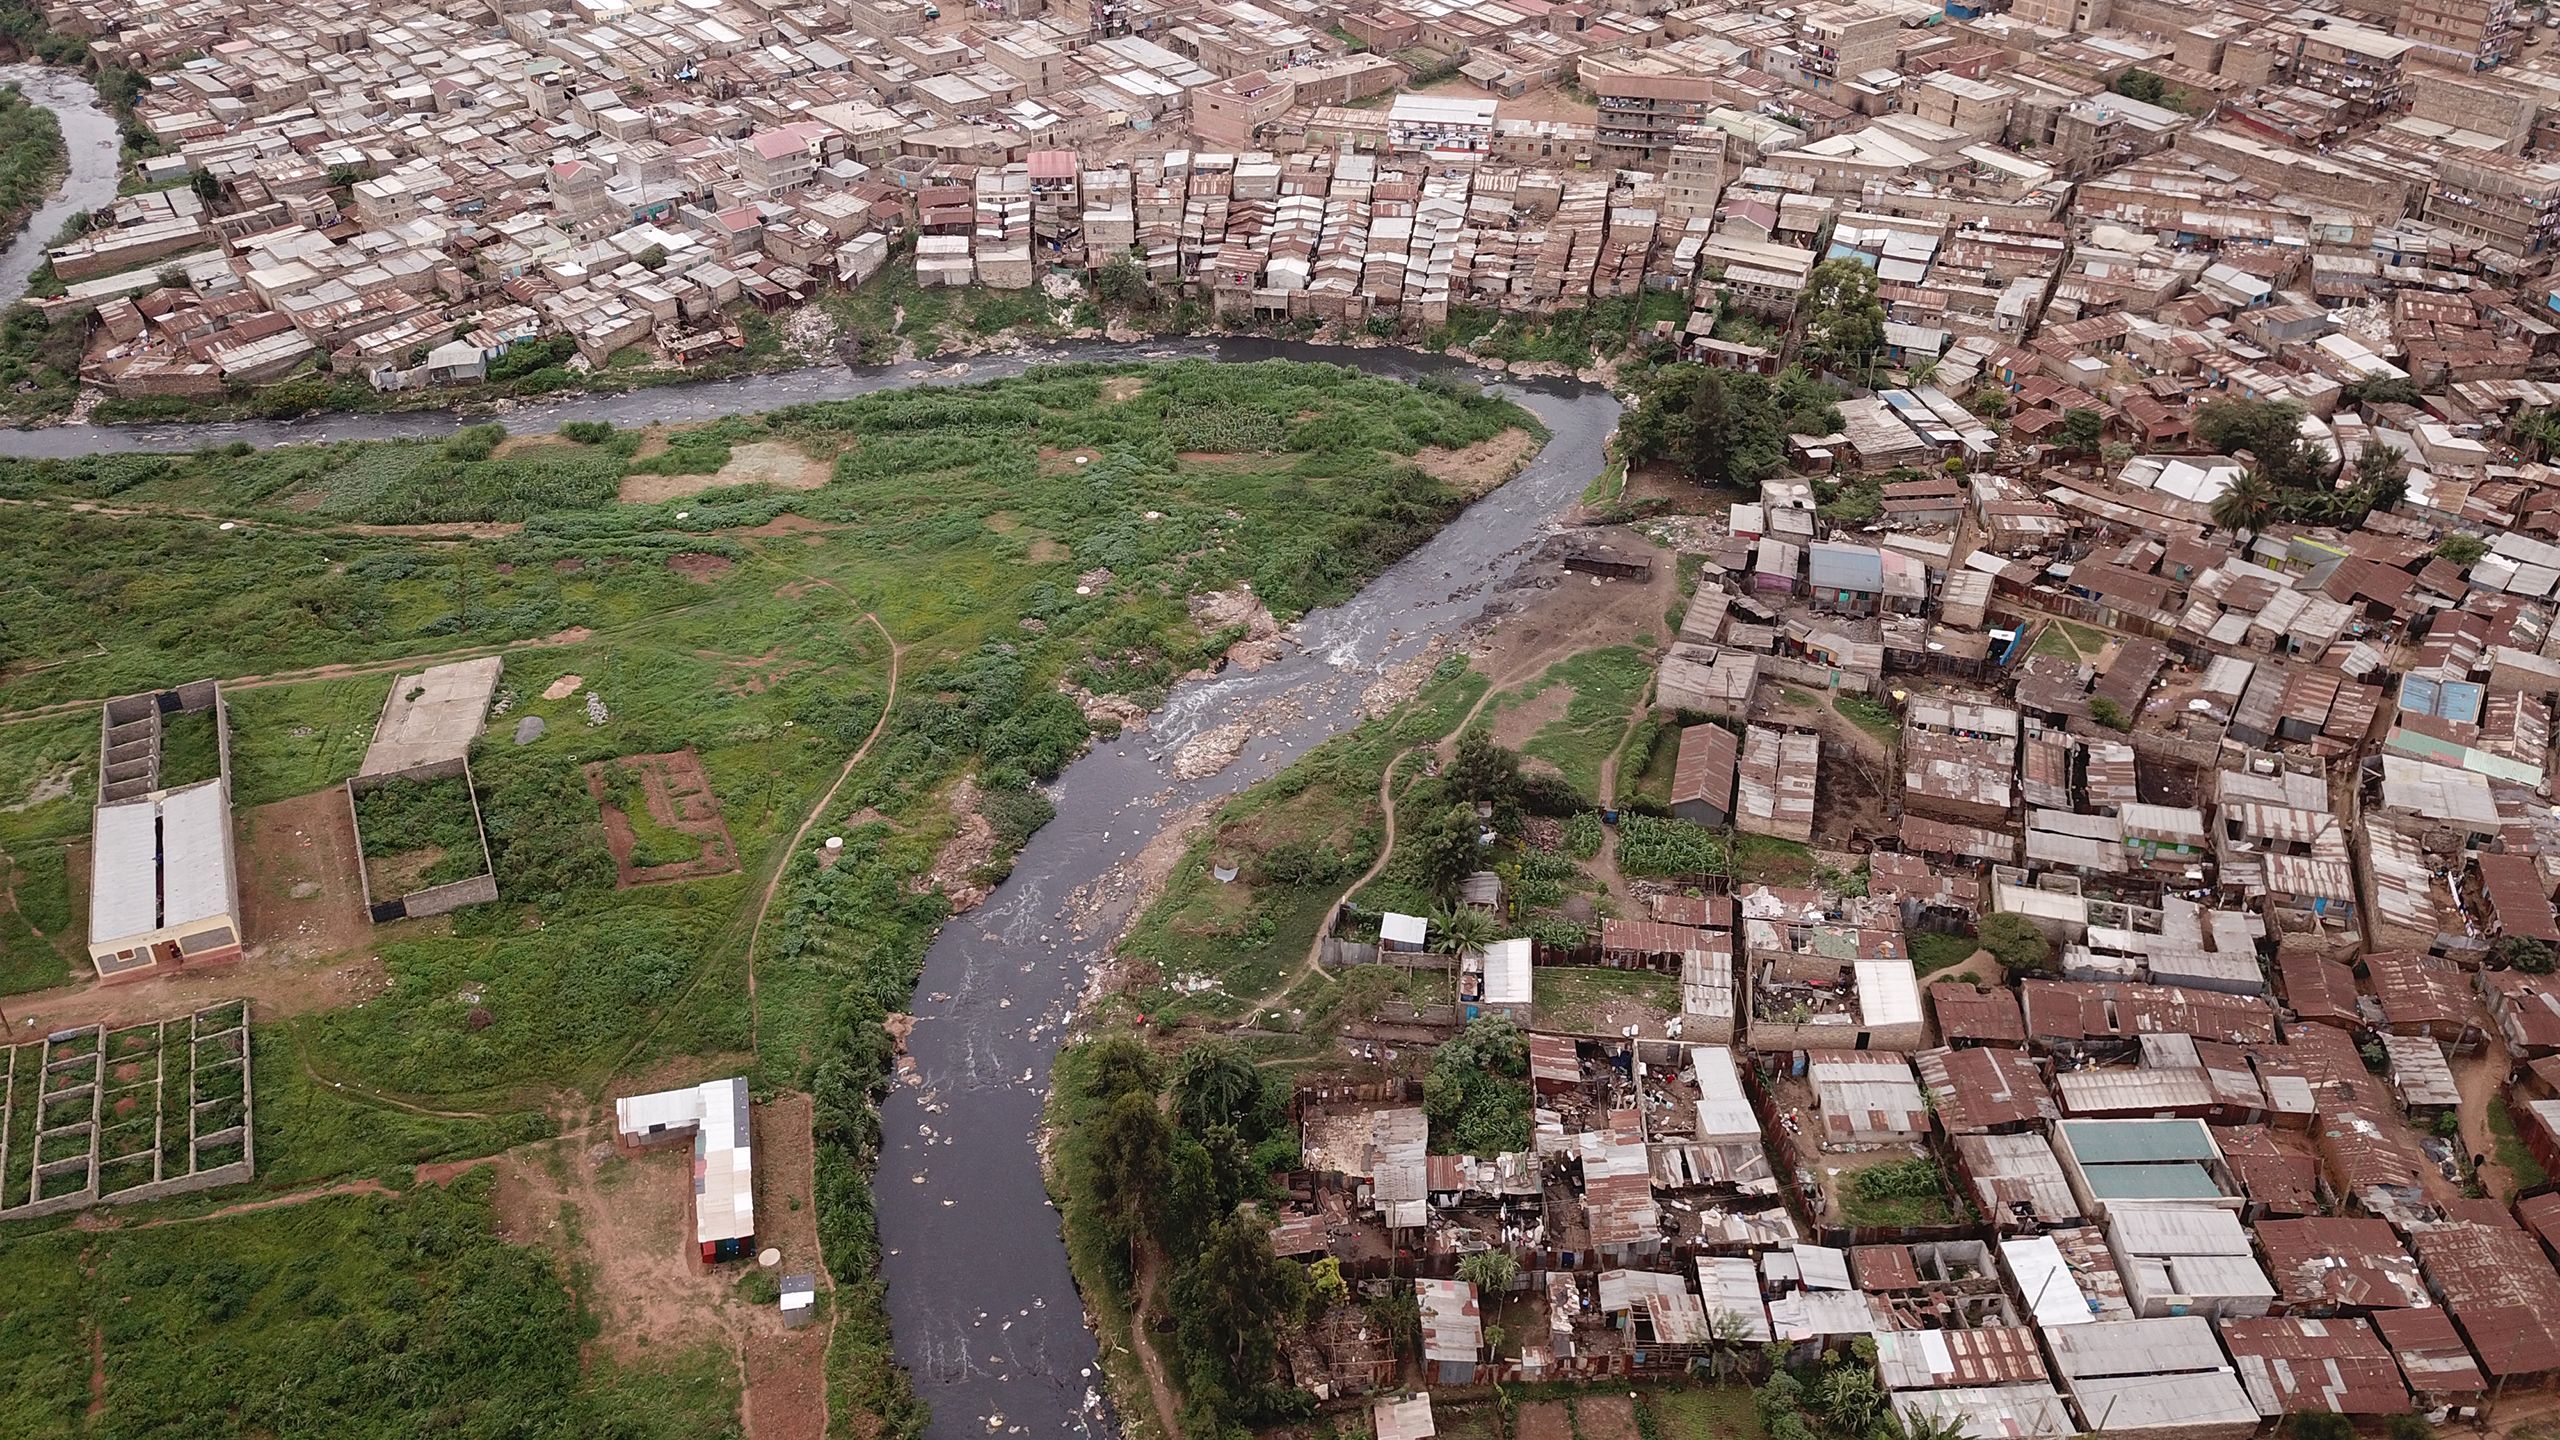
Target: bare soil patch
point(1551, 613)
point(1475, 469)
point(1058, 462)
point(786, 1369)
point(956, 866)
point(563, 688)
point(755, 674)
point(1048, 552)
point(789, 522)
point(700, 568)
point(1004, 522)
point(679, 798)
point(1544, 1420)
point(760, 462)
point(1514, 726)
point(1121, 389)
point(1605, 1417)
point(631, 1214)
point(300, 896)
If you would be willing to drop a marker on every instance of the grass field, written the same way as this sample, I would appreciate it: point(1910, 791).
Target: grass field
point(1606, 685)
point(739, 631)
point(1571, 998)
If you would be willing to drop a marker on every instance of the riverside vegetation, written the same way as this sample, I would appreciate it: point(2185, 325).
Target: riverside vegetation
point(730, 621)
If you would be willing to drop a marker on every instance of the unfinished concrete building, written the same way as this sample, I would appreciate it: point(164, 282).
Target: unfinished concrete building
point(163, 883)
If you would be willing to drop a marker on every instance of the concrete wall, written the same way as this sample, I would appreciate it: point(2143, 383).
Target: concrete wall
point(478, 889)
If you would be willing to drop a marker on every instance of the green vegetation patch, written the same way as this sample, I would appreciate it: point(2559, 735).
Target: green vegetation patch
point(1576, 999)
point(342, 1317)
point(1904, 1192)
point(1933, 951)
point(1652, 845)
point(418, 833)
point(1606, 686)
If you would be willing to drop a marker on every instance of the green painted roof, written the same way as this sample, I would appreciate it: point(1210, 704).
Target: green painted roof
point(2183, 1180)
point(2133, 1142)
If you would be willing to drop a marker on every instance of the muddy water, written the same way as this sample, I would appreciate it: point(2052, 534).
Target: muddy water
point(984, 1312)
point(88, 137)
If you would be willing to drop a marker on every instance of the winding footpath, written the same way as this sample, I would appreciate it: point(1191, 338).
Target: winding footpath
point(983, 1307)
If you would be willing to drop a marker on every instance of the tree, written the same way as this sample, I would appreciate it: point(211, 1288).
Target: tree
point(2246, 504)
point(2523, 953)
point(2271, 433)
point(1121, 285)
point(1844, 324)
point(2537, 433)
point(207, 185)
point(655, 257)
point(2081, 431)
point(2461, 550)
point(1214, 1084)
point(2014, 941)
point(1935, 1425)
point(1709, 430)
point(1481, 769)
point(1490, 1271)
point(1326, 1285)
point(2110, 714)
point(1476, 1094)
point(2140, 84)
point(1230, 1300)
point(1131, 1149)
point(1447, 850)
point(2383, 390)
point(1115, 1066)
point(2381, 477)
point(1455, 930)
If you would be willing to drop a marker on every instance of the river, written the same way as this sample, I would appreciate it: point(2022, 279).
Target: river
point(983, 1309)
point(89, 142)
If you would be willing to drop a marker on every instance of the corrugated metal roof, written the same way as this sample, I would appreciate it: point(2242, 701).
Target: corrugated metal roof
point(2500, 1289)
point(2341, 1260)
point(2004, 1412)
point(195, 855)
point(1452, 1326)
point(124, 872)
point(2293, 1364)
point(2106, 1142)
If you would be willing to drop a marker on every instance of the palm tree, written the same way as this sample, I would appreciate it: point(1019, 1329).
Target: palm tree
point(1934, 1426)
point(1459, 929)
point(2537, 432)
point(2246, 505)
point(1215, 1085)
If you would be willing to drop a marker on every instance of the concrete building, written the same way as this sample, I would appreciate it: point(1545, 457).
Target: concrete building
point(716, 1116)
point(163, 881)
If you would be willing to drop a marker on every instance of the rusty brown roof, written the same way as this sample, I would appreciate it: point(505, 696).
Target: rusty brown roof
point(2500, 1289)
point(2350, 1262)
point(1977, 1014)
point(2518, 895)
point(1985, 1089)
point(2296, 1364)
point(2432, 1357)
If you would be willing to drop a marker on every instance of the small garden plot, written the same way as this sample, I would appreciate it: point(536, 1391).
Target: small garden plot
point(1649, 845)
point(661, 820)
point(1593, 1000)
point(1894, 1193)
point(418, 834)
point(155, 1109)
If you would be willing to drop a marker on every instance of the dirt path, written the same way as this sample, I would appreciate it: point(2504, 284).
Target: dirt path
point(245, 1207)
point(1386, 850)
point(2479, 1077)
point(1605, 864)
point(1159, 1388)
point(773, 883)
point(360, 1092)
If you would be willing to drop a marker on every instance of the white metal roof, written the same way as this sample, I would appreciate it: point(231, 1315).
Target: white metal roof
point(1507, 972)
point(1888, 993)
point(195, 850)
point(1724, 1109)
point(1400, 929)
point(124, 872)
point(1731, 1286)
point(2045, 1279)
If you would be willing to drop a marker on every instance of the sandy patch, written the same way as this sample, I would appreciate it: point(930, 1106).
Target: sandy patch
point(1211, 751)
point(787, 523)
point(1004, 522)
point(1480, 467)
point(563, 688)
point(759, 462)
point(1513, 727)
point(1048, 552)
point(1121, 389)
point(1217, 610)
point(699, 568)
point(957, 863)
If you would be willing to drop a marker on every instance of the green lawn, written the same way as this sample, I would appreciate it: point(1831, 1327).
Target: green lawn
point(1932, 951)
point(1701, 1412)
point(2512, 1153)
point(1572, 998)
point(1606, 684)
